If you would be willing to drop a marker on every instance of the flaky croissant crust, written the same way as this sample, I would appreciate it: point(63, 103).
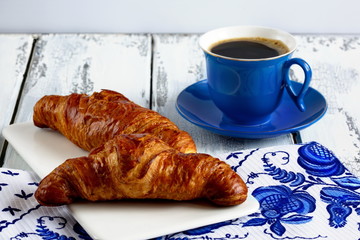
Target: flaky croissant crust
point(90, 121)
point(141, 166)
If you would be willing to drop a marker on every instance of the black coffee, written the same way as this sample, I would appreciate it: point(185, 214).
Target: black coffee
point(250, 48)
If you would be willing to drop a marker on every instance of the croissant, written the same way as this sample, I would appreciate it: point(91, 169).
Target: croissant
point(90, 121)
point(141, 166)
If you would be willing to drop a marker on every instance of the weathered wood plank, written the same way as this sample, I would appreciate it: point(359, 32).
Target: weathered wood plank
point(336, 74)
point(84, 63)
point(177, 63)
point(14, 56)
point(66, 63)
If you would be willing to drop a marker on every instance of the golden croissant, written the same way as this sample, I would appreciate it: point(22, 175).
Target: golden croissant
point(90, 121)
point(141, 166)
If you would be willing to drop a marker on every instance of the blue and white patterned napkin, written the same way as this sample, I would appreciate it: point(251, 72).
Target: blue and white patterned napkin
point(304, 193)
point(21, 217)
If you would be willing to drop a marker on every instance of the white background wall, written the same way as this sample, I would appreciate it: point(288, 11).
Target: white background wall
point(175, 16)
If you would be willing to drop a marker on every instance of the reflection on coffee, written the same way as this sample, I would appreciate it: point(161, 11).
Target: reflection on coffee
point(249, 48)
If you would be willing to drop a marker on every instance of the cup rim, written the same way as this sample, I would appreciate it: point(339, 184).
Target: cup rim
point(280, 35)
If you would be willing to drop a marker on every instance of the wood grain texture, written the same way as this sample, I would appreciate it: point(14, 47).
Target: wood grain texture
point(177, 63)
point(66, 63)
point(336, 74)
point(135, 64)
point(14, 56)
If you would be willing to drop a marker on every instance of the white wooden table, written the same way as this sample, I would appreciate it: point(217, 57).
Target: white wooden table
point(152, 69)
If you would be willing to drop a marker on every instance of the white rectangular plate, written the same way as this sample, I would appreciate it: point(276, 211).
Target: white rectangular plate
point(45, 149)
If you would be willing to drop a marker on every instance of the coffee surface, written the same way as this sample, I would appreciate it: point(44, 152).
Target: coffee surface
point(250, 48)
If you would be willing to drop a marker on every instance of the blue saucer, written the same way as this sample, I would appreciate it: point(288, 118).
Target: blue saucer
point(195, 105)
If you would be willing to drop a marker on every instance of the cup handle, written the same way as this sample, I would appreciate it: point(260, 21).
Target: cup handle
point(298, 98)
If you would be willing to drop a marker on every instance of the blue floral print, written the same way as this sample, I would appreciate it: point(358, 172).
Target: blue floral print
point(304, 192)
point(341, 201)
point(302, 187)
point(319, 161)
point(279, 204)
point(18, 203)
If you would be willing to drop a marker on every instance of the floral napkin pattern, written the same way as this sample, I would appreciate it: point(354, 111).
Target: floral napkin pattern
point(304, 192)
point(21, 217)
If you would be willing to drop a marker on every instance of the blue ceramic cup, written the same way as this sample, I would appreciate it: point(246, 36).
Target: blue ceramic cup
point(247, 90)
